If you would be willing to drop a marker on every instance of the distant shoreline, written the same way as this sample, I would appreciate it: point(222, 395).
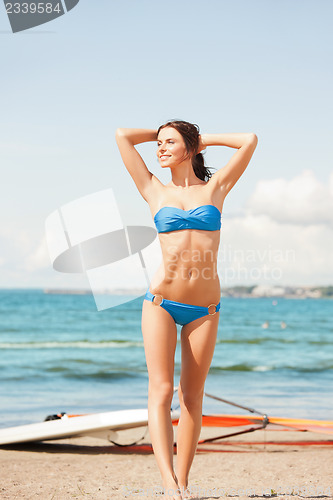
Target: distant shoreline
point(253, 291)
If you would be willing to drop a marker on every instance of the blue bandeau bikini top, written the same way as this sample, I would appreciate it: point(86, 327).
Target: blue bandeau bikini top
point(205, 217)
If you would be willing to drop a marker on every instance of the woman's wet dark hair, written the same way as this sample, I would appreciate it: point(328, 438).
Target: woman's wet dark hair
point(190, 133)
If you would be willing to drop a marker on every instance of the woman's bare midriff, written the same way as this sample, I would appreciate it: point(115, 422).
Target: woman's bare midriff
point(188, 271)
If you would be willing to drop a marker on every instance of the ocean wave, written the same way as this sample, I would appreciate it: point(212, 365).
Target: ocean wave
point(71, 374)
point(79, 344)
point(259, 340)
point(243, 367)
point(121, 344)
point(279, 340)
point(100, 375)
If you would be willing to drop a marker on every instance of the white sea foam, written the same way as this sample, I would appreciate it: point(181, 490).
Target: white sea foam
point(65, 345)
point(262, 368)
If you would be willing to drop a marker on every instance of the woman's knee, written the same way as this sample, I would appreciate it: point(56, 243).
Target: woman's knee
point(160, 393)
point(191, 400)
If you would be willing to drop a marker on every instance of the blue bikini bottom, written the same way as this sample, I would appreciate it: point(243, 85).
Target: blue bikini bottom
point(183, 313)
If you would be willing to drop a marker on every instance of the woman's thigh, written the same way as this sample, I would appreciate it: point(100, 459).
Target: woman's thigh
point(198, 340)
point(160, 339)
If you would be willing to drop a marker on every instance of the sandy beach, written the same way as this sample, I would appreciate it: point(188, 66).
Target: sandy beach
point(261, 464)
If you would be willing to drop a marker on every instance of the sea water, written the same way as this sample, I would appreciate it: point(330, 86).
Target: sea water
point(59, 354)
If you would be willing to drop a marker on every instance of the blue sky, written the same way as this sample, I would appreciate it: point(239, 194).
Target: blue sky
point(230, 66)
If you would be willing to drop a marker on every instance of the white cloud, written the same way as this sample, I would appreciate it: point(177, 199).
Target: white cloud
point(19, 251)
point(24, 262)
point(38, 258)
point(257, 249)
point(302, 200)
point(285, 235)
point(13, 246)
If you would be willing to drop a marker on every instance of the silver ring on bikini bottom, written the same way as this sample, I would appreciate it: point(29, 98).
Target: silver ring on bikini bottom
point(210, 305)
point(157, 295)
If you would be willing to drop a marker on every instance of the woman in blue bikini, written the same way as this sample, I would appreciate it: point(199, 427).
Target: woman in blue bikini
point(186, 287)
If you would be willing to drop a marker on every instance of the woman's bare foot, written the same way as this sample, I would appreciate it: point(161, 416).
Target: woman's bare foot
point(172, 491)
point(187, 493)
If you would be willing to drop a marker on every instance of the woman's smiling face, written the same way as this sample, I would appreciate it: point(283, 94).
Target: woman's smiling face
point(171, 149)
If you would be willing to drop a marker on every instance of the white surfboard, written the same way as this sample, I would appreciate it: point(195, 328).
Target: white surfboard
point(104, 425)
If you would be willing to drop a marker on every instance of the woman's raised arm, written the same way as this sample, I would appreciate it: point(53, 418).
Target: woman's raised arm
point(246, 144)
point(126, 139)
